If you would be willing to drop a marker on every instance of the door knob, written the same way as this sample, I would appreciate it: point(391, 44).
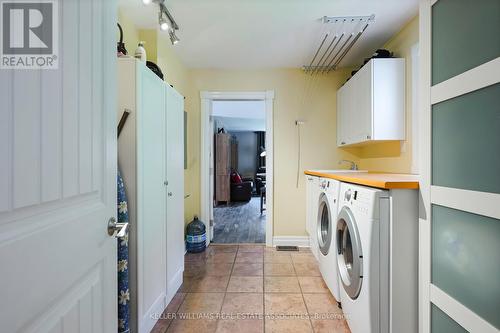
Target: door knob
point(115, 229)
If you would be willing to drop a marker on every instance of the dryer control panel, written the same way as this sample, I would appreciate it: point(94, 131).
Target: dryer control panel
point(361, 199)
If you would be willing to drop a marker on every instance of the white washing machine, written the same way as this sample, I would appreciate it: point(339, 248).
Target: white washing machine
point(362, 235)
point(313, 191)
point(325, 236)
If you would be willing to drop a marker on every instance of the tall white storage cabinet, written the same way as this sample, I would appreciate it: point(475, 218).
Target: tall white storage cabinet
point(150, 159)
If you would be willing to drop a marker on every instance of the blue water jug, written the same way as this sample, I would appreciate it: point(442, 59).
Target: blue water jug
point(196, 236)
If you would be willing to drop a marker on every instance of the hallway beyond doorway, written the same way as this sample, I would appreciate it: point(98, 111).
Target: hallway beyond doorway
point(240, 222)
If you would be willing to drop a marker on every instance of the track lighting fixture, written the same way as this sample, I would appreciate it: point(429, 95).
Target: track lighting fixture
point(173, 38)
point(165, 20)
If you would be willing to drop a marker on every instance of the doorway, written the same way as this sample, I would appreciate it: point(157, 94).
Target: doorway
point(226, 119)
point(239, 176)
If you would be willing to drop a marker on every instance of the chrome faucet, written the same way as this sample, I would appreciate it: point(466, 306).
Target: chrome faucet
point(354, 166)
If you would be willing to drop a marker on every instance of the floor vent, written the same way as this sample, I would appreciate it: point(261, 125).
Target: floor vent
point(286, 248)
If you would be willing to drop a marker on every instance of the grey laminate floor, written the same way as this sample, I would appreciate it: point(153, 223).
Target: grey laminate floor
point(240, 222)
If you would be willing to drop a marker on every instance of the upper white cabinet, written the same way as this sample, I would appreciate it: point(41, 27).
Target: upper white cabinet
point(371, 105)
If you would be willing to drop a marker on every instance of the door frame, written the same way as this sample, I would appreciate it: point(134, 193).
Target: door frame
point(207, 97)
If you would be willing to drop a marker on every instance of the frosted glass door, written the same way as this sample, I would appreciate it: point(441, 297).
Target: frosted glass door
point(463, 166)
point(465, 262)
point(466, 141)
point(441, 323)
point(465, 34)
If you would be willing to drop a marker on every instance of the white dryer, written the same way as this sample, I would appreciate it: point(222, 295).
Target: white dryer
point(363, 244)
point(325, 236)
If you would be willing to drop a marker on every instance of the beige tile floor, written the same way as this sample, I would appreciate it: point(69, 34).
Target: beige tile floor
point(252, 289)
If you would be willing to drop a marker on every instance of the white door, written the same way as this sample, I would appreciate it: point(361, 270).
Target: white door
point(58, 181)
point(348, 113)
point(175, 190)
point(151, 197)
point(362, 111)
point(340, 116)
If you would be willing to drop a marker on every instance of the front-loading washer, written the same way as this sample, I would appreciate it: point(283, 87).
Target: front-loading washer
point(325, 236)
point(362, 235)
point(313, 192)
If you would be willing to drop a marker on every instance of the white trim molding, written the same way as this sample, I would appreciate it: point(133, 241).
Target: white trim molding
point(476, 78)
point(415, 110)
point(205, 202)
point(206, 110)
point(300, 241)
point(460, 313)
point(482, 203)
point(424, 146)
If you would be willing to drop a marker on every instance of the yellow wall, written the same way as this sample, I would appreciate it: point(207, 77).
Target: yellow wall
point(130, 32)
point(178, 75)
point(160, 51)
point(149, 38)
point(293, 100)
point(396, 157)
point(296, 97)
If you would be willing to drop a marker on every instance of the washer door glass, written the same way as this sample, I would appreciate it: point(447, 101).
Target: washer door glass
point(325, 226)
point(349, 253)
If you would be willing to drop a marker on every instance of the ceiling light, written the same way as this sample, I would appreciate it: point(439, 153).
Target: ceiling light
point(146, 2)
point(164, 24)
point(173, 38)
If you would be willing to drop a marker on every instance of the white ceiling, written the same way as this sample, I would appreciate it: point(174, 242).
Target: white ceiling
point(268, 33)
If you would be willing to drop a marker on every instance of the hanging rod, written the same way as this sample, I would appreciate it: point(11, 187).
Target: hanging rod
point(334, 67)
point(348, 27)
point(335, 19)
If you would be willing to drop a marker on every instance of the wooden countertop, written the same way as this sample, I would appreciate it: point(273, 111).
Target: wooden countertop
point(373, 179)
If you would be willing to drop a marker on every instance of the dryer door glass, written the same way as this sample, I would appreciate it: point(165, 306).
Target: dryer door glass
point(324, 225)
point(349, 253)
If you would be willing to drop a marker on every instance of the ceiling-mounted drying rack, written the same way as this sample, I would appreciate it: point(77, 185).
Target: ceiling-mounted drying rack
point(337, 39)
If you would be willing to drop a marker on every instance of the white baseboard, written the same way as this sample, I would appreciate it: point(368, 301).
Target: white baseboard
point(152, 315)
point(301, 241)
point(174, 284)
